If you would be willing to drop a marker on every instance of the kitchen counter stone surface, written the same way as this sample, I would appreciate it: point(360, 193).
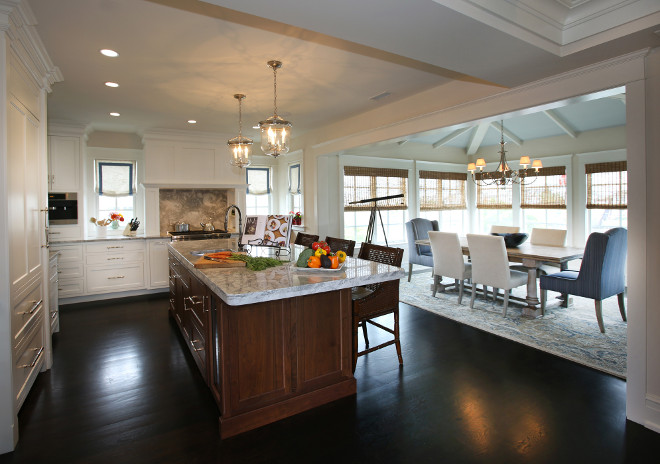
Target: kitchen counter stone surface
point(109, 237)
point(241, 286)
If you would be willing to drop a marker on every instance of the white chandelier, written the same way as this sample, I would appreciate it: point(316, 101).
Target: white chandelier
point(240, 146)
point(275, 131)
point(504, 175)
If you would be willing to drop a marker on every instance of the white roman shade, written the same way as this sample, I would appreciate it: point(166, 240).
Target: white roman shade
point(115, 179)
point(258, 180)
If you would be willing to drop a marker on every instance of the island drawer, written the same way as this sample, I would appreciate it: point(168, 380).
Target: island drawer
point(28, 361)
point(25, 310)
point(198, 347)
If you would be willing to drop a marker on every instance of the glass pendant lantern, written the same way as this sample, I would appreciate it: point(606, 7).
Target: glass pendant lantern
point(240, 146)
point(275, 131)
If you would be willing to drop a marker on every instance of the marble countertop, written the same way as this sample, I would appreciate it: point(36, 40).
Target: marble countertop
point(108, 238)
point(241, 286)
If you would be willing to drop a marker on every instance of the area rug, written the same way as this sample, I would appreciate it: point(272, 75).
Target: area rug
point(570, 333)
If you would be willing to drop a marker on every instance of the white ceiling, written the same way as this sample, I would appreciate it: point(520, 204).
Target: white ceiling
point(185, 59)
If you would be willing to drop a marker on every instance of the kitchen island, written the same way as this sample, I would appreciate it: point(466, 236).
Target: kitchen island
point(269, 343)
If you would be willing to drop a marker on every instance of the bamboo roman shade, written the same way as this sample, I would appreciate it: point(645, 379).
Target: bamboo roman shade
point(493, 196)
point(441, 190)
point(361, 183)
point(547, 191)
point(607, 185)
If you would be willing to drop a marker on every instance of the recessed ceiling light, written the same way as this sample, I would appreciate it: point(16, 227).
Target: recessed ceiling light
point(112, 84)
point(192, 121)
point(114, 114)
point(110, 53)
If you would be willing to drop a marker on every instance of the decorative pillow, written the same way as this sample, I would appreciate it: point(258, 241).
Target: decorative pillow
point(513, 240)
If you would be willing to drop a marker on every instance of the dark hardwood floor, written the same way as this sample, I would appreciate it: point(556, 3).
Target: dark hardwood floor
point(123, 389)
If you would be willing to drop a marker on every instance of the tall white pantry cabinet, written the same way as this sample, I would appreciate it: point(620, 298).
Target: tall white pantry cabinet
point(26, 75)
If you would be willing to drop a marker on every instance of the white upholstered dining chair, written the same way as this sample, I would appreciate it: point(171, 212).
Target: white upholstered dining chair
point(490, 267)
point(504, 230)
point(448, 261)
point(548, 237)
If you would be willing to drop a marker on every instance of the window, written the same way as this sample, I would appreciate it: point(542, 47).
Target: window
point(442, 198)
point(494, 205)
point(363, 183)
point(295, 192)
point(607, 195)
point(115, 188)
point(257, 199)
point(543, 201)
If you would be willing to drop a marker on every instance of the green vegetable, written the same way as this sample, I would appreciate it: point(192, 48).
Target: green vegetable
point(304, 256)
point(256, 264)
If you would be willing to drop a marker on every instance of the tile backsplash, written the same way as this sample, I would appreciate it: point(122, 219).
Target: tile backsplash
point(191, 206)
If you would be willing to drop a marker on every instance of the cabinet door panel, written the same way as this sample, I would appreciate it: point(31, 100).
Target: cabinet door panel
point(259, 365)
point(158, 267)
point(64, 163)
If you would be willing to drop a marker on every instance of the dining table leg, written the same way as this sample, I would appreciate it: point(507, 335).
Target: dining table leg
point(533, 304)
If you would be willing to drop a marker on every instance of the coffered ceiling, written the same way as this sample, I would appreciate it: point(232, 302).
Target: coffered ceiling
point(185, 59)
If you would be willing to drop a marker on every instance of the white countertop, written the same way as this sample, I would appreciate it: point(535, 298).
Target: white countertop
point(241, 286)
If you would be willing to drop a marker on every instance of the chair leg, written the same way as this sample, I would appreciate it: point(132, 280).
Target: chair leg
point(544, 296)
point(355, 341)
point(474, 295)
point(397, 342)
point(599, 315)
point(485, 287)
point(495, 292)
point(461, 287)
point(506, 303)
point(622, 306)
point(409, 271)
point(364, 332)
point(436, 279)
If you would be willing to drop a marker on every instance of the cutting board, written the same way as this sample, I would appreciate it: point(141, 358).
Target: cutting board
point(202, 263)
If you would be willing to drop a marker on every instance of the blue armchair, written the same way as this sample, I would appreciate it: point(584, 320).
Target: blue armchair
point(418, 229)
point(601, 275)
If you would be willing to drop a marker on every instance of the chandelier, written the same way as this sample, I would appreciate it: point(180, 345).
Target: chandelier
point(240, 146)
point(504, 175)
point(275, 131)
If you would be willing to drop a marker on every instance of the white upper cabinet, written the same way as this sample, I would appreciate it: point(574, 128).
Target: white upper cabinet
point(63, 164)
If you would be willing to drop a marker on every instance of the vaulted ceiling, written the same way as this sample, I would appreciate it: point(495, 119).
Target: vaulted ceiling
point(185, 59)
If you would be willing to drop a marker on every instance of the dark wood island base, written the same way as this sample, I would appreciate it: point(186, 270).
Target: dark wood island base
point(269, 360)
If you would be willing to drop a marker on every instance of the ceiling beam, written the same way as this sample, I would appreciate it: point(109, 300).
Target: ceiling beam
point(507, 133)
point(477, 138)
point(451, 136)
point(563, 125)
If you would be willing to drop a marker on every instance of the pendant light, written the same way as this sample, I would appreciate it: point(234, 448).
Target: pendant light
point(240, 146)
point(275, 131)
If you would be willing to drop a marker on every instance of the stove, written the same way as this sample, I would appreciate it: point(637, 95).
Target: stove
point(198, 235)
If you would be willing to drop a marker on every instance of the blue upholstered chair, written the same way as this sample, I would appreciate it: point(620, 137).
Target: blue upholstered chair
point(601, 275)
point(418, 229)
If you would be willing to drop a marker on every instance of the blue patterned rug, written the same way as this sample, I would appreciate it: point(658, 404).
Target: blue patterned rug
point(570, 333)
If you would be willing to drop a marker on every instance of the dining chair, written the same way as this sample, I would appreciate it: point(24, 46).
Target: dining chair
point(337, 244)
point(548, 237)
point(448, 261)
point(375, 300)
point(601, 274)
point(490, 267)
point(418, 229)
point(305, 239)
point(504, 230)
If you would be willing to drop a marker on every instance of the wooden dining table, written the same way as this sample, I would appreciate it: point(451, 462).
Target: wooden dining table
point(531, 257)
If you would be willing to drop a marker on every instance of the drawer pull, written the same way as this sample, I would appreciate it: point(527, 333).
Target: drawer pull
point(54, 233)
point(53, 314)
point(36, 358)
point(34, 307)
point(192, 342)
point(111, 247)
point(195, 299)
point(110, 259)
point(116, 277)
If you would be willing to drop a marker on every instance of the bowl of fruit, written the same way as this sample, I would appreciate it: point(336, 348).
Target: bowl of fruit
point(319, 257)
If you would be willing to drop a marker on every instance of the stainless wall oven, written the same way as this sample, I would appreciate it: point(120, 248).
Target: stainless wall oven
point(62, 208)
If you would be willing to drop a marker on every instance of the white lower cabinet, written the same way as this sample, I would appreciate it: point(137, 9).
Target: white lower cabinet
point(28, 356)
point(53, 296)
point(158, 264)
point(108, 266)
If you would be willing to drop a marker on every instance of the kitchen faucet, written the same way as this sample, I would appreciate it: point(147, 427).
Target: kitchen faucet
point(240, 224)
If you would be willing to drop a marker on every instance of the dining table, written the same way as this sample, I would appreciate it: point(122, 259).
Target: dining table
point(532, 257)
